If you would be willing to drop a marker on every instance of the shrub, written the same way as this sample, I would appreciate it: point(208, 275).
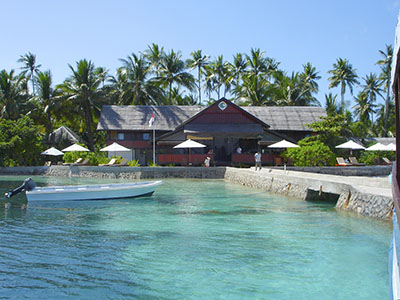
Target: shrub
point(311, 153)
point(372, 157)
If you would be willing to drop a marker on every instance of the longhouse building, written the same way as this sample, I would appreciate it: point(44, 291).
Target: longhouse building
point(231, 133)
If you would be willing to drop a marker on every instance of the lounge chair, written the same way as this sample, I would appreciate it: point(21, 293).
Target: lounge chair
point(84, 163)
point(47, 163)
point(341, 162)
point(354, 161)
point(79, 160)
point(386, 161)
point(110, 163)
point(123, 163)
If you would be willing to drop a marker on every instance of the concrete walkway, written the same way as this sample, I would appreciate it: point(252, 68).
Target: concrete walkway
point(370, 185)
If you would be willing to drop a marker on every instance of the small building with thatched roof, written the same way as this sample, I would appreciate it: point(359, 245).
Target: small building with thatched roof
point(222, 127)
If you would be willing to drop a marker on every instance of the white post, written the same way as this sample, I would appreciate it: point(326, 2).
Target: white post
point(154, 146)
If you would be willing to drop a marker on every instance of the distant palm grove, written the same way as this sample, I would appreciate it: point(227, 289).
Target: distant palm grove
point(159, 77)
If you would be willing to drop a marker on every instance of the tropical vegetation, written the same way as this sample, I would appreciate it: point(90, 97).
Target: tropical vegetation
point(164, 77)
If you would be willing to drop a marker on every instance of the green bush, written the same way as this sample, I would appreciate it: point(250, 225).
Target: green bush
point(95, 158)
point(373, 157)
point(311, 153)
point(134, 163)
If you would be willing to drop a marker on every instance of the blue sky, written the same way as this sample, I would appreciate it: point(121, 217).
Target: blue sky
point(293, 32)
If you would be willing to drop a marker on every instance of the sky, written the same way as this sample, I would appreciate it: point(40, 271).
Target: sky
point(293, 32)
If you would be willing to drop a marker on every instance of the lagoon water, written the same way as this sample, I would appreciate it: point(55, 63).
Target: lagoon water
point(193, 239)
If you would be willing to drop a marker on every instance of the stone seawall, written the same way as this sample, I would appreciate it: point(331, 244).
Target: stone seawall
point(350, 194)
point(363, 195)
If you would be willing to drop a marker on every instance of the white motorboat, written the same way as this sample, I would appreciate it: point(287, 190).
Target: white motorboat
point(86, 192)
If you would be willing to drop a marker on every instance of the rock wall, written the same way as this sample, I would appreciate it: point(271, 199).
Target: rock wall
point(348, 198)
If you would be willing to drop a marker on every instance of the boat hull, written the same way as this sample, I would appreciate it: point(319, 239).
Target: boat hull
point(93, 192)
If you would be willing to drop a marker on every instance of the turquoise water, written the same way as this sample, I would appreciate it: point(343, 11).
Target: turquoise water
point(193, 239)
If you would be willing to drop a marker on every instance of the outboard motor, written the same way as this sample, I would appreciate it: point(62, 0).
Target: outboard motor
point(28, 185)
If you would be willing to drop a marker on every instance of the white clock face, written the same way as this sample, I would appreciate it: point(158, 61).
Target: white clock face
point(222, 105)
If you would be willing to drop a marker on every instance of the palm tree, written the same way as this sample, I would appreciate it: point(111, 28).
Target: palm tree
point(331, 106)
point(254, 91)
point(386, 67)
point(344, 75)
point(47, 98)
point(198, 61)
point(294, 90)
point(30, 67)
point(154, 54)
point(12, 95)
point(364, 108)
point(133, 83)
point(173, 71)
point(217, 76)
point(372, 88)
point(236, 70)
point(82, 91)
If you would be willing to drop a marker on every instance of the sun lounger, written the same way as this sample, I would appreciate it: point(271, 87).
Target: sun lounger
point(341, 162)
point(110, 163)
point(84, 163)
point(386, 161)
point(79, 160)
point(123, 163)
point(354, 162)
point(47, 163)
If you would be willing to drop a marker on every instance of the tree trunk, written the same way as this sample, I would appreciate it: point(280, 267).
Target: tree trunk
point(199, 85)
point(89, 126)
point(342, 97)
point(386, 120)
point(169, 96)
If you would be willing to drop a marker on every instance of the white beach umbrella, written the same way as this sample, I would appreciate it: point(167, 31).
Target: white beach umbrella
point(283, 144)
point(377, 147)
point(189, 144)
point(75, 147)
point(391, 147)
point(350, 145)
point(52, 151)
point(115, 147)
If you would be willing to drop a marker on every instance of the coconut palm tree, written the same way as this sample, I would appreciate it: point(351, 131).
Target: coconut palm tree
point(46, 99)
point(254, 91)
point(30, 67)
point(364, 108)
point(154, 54)
point(198, 61)
point(83, 93)
point(344, 75)
point(134, 83)
point(173, 71)
point(12, 95)
point(217, 76)
point(331, 106)
point(372, 88)
point(386, 69)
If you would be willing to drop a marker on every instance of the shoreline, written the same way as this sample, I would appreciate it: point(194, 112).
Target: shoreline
point(363, 190)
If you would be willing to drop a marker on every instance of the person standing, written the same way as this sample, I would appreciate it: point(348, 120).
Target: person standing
point(257, 158)
point(207, 162)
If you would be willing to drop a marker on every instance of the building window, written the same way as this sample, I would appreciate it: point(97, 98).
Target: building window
point(146, 136)
point(120, 136)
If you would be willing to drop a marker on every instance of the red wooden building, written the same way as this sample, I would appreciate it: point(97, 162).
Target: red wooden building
point(222, 127)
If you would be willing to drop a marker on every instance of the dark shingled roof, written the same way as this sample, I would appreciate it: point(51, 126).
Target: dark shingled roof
point(131, 117)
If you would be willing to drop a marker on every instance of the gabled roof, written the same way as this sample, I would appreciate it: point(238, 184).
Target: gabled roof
point(136, 117)
point(169, 117)
point(284, 118)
